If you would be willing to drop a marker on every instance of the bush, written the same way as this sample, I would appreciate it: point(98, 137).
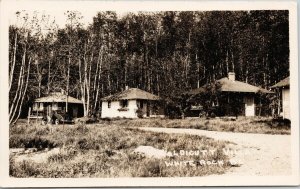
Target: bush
point(85, 120)
point(65, 155)
point(36, 142)
point(150, 168)
point(140, 113)
point(83, 144)
point(106, 119)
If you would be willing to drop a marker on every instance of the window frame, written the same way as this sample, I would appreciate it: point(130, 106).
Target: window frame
point(140, 104)
point(123, 103)
point(55, 106)
point(41, 106)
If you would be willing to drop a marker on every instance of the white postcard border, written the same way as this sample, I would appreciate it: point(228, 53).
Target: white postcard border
point(8, 6)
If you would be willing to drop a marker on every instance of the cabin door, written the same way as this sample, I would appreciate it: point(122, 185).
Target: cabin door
point(148, 109)
point(49, 110)
point(249, 106)
point(75, 111)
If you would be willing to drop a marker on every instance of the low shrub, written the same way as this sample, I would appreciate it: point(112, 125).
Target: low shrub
point(24, 169)
point(35, 142)
point(66, 154)
point(84, 144)
point(140, 113)
point(150, 168)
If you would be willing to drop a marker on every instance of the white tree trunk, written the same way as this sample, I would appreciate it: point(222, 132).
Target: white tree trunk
point(11, 75)
point(13, 105)
point(24, 93)
point(82, 88)
point(49, 74)
point(100, 60)
point(85, 82)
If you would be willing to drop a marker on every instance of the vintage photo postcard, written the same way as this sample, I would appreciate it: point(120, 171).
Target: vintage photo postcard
point(149, 93)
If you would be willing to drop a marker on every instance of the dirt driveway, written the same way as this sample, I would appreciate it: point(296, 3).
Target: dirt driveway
point(259, 154)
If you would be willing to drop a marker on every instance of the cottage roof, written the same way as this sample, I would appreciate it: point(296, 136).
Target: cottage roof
point(238, 86)
point(195, 91)
point(132, 93)
point(228, 85)
point(283, 83)
point(58, 97)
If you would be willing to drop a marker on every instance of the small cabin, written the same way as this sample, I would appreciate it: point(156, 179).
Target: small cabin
point(132, 103)
point(283, 91)
point(238, 98)
point(56, 102)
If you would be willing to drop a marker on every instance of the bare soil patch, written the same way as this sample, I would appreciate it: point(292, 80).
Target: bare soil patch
point(261, 154)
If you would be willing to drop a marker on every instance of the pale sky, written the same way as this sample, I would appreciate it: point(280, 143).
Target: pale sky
point(59, 16)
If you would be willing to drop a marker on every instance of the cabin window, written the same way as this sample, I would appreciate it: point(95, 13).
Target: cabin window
point(55, 106)
point(41, 106)
point(140, 104)
point(35, 106)
point(124, 103)
point(109, 104)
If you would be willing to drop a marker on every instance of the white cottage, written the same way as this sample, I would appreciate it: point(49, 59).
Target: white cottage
point(283, 88)
point(131, 103)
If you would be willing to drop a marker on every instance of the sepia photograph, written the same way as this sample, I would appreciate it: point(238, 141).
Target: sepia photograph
point(142, 93)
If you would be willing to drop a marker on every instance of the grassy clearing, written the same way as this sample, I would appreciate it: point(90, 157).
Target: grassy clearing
point(105, 150)
point(242, 124)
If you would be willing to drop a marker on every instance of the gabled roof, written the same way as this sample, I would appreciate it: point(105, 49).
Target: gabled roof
point(233, 86)
point(58, 97)
point(238, 86)
point(132, 93)
point(283, 83)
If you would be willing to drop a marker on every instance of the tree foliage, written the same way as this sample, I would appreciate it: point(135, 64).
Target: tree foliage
point(165, 53)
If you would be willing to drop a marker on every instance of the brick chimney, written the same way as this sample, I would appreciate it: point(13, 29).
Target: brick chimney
point(231, 76)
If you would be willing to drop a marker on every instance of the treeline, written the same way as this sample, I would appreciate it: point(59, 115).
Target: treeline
point(165, 53)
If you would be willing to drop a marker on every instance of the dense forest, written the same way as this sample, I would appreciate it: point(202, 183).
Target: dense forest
point(166, 53)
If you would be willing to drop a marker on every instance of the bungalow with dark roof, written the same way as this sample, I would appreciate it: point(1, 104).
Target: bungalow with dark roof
point(283, 89)
point(236, 95)
point(131, 103)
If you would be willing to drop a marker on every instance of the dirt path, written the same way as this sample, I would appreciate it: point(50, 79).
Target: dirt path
point(261, 154)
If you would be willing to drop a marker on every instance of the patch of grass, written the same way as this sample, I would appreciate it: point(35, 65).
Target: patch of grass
point(260, 125)
point(105, 150)
point(65, 155)
point(18, 141)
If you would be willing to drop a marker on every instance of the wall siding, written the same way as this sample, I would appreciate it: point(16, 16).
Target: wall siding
point(249, 106)
point(114, 112)
point(286, 103)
